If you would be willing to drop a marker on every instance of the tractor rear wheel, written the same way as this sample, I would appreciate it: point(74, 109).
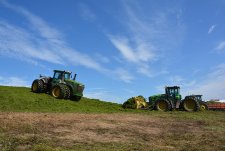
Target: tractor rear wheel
point(190, 105)
point(37, 86)
point(203, 106)
point(163, 105)
point(58, 91)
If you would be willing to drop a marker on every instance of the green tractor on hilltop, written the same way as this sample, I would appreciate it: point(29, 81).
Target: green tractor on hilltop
point(173, 100)
point(60, 86)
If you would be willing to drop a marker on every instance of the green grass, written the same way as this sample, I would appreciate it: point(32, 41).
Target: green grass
point(20, 99)
point(175, 127)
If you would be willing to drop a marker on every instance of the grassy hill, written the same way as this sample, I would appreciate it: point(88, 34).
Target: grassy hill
point(21, 99)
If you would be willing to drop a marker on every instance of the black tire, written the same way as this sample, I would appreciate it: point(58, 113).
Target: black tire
point(45, 88)
point(58, 91)
point(190, 104)
point(37, 86)
point(203, 106)
point(67, 92)
point(162, 105)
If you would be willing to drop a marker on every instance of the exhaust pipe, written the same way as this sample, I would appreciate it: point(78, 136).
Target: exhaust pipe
point(75, 75)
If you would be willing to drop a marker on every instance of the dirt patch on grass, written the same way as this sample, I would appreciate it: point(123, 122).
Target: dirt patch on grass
point(135, 130)
point(81, 127)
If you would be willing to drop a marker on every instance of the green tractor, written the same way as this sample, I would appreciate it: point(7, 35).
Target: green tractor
point(60, 86)
point(203, 104)
point(172, 100)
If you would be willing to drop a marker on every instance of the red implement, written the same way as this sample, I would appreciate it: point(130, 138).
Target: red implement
point(217, 106)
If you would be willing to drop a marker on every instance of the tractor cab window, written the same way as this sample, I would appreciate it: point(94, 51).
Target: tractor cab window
point(198, 97)
point(176, 91)
point(173, 92)
point(58, 75)
point(67, 76)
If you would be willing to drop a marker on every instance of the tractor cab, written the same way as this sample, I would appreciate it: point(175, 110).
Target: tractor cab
point(173, 92)
point(198, 97)
point(61, 75)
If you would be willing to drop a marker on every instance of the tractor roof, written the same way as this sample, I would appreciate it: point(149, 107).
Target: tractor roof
point(196, 95)
point(172, 87)
point(62, 71)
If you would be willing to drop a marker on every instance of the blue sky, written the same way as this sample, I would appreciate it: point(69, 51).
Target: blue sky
point(119, 48)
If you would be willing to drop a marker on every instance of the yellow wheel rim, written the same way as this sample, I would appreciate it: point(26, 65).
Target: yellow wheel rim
point(162, 105)
point(35, 87)
point(189, 105)
point(56, 92)
point(202, 107)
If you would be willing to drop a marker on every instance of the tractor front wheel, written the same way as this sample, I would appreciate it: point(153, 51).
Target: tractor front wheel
point(163, 105)
point(203, 106)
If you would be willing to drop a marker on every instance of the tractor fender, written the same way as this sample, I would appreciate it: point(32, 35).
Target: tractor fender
point(45, 80)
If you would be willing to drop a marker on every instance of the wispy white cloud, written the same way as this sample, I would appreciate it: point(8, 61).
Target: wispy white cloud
point(102, 58)
point(19, 43)
point(13, 81)
point(145, 70)
point(211, 29)
point(46, 43)
point(221, 46)
point(177, 80)
point(180, 81)
point(40, 41)
point(38, 23)
point(135, 54)
point(212, 87)
point(142, 45)
point(102, 94)
point(123, 75)
point(86, 12)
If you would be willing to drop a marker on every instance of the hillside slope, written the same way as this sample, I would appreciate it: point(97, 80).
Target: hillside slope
point(21, 99)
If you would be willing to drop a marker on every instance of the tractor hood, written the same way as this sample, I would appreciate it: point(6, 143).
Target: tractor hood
point(75, 82)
